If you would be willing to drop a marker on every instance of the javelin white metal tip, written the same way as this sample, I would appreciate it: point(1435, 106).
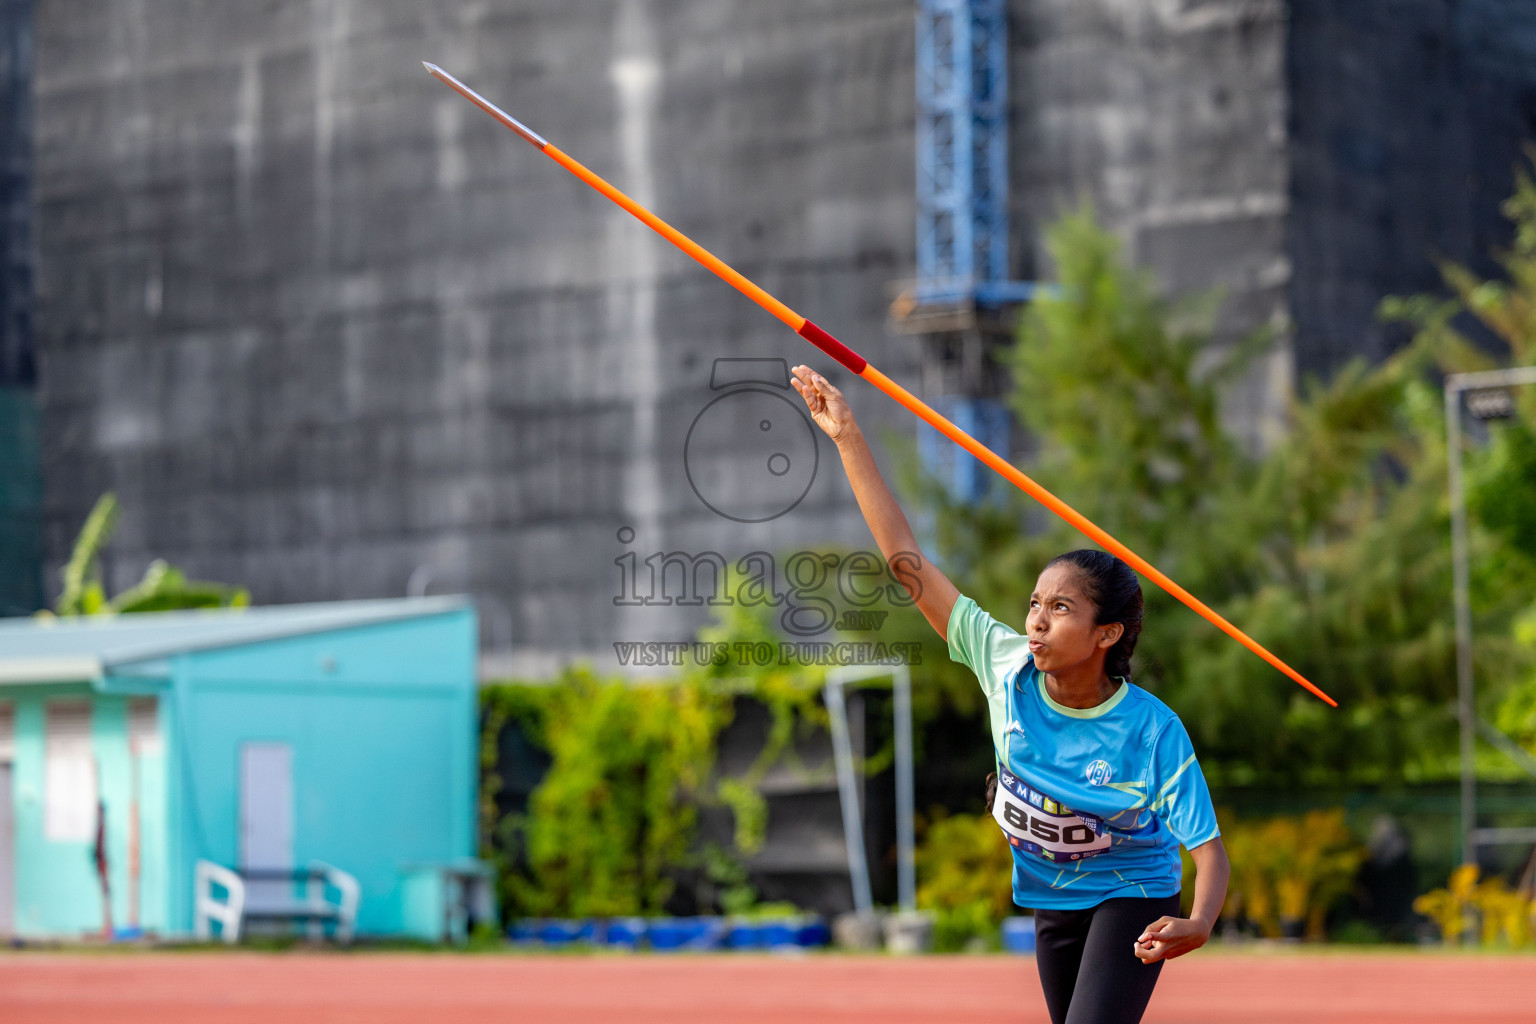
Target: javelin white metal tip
point(485, 105)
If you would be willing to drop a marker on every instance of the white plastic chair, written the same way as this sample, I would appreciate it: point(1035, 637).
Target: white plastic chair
point(346, 910)
point(207, 908)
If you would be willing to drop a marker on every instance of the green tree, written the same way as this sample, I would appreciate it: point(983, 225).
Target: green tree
point(1501, 477)
point(163, 588)
point(1331, 548)
point(614, 818)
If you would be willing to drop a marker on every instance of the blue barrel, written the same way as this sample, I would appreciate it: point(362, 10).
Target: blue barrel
point(814, 934)
point(672, 934)
point(1019, 934)
point(625, 932)
point(781, 933)
point(557, 932)
point(744, 935)
point(523, 931)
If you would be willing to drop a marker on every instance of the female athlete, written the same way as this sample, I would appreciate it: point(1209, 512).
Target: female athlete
point(1097, 783)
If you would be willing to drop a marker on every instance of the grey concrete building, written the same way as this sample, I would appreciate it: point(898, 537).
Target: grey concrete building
point(327, 329)
point(21, 492)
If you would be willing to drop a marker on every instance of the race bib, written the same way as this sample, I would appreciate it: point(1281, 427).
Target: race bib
point(1034, 822)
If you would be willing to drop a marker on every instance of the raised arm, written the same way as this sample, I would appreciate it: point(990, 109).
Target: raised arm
point(933, 592)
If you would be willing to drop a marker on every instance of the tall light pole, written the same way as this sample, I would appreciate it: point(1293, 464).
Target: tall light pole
point(1489, 399)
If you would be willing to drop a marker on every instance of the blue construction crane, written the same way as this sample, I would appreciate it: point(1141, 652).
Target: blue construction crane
point(962, 212)
point(962, 155)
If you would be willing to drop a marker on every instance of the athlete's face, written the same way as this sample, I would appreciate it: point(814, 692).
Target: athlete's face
point(1061, 627)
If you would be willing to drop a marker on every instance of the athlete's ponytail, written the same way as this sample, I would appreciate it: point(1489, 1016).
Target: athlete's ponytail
point(1116, 594)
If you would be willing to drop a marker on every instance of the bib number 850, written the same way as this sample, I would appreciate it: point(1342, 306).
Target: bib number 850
point(1046, 831)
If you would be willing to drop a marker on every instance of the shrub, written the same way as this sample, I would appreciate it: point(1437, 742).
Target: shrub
point(965, 872)
point(1289, 871)
point(1487, 912)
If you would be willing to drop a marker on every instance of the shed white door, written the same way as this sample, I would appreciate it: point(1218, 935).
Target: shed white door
point(7, 821)
point(266, 817)
point(7, 853)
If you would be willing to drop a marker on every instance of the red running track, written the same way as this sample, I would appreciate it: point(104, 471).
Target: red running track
point(1214, 987)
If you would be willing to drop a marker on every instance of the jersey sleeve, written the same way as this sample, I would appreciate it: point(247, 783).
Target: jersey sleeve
point(1181, 799)
point(982, 644)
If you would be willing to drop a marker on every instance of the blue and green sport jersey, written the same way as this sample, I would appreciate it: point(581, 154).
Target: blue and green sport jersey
point(1093, 801)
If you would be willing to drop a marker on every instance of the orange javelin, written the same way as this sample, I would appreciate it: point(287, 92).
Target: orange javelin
point(861, 367)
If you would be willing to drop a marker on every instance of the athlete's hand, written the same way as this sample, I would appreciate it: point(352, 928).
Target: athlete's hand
point(1168, 937)
point(828, 407)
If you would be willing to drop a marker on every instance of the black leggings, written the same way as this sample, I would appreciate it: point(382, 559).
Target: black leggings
point(1087, 962)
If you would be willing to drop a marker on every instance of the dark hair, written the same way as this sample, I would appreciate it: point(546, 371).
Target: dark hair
point(1115, 591)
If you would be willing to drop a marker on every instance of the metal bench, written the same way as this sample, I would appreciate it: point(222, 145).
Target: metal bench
point(237, 909)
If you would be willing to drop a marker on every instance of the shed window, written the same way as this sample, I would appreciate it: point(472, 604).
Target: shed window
point(143, 726)
point(69, 775)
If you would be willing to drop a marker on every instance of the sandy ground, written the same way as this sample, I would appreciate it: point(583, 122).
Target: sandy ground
point(1212, 987)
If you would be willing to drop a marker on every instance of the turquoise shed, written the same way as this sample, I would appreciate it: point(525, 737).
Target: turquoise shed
point(268, 737)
